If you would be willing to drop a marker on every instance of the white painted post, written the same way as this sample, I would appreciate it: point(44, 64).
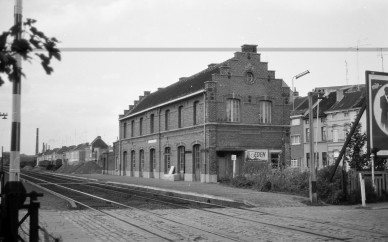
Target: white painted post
point(234, 165)
point(362, 186)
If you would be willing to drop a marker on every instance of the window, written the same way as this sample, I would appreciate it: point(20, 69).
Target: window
point(275, 160)
point(152, 122)
point(324, 159)
point(133, 128)
point(323, 133)
point(125, 130)
point(307, 121)
point(335, 135)
point(181, 159)
point(167, 160)
point(195, 112)
point(141, 126)
point(180, 109)
point(294, 163)
point(152, 159)
point(265, 112)
point(295, 121)
point(308, 159)
point(307, 135)
point(316, 157)
point(233, 110)
point(295, 139)
point(166, 119)
point(346, 114)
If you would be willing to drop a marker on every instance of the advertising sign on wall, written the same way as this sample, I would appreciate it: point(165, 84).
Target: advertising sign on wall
point(256, 156)
point(377, 110)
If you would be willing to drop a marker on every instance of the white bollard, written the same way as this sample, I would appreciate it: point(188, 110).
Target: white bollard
point(362, 186)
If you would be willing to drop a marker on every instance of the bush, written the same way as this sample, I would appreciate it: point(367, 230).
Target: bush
point(330, 192)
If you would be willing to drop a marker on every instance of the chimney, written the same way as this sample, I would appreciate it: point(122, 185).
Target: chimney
point(37, 142)
point(340, 94)
point(249, 48)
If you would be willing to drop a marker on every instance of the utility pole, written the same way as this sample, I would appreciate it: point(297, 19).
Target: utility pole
point(14, 168)
point(313, 175)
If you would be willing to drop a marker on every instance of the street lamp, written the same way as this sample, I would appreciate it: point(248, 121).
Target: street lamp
point(296, 77)
point(4, 115)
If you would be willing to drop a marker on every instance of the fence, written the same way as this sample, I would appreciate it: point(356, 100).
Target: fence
point(381, 181)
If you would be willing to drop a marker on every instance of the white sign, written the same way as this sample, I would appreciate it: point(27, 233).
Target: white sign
point(234, 157)
point(256, 155)
point(152, 141)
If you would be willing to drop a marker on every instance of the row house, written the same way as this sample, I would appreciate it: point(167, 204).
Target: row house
point(209, 126)
point(337, 110)
point(77, 153)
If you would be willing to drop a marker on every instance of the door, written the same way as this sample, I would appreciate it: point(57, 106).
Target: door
point(132, 162)
point(181, 162)
point(197, 163)
point(141, 163)
point(125, 158)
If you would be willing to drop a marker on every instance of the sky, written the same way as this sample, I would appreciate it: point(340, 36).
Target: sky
point(87, 91)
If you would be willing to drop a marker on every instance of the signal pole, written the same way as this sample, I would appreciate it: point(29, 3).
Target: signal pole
point(14, 168)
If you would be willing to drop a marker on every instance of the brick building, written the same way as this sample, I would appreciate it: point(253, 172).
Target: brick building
point(209, 126)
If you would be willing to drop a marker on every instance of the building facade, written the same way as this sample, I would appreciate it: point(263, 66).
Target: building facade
point(337, 111)
point(208, 126)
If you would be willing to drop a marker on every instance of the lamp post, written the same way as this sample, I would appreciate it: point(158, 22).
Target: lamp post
point(296, 77)
point(4, 115)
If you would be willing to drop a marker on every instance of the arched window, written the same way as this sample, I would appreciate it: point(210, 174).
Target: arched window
point(141, 126)
point(195, 112)
point(166, 119)
point(124, 130)
point(141, 160)
point(132, 128)
point(152, 121)
point(180, 120)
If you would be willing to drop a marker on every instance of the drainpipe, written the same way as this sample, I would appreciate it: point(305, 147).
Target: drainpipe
point(204, 133)
point(160, 144)
point(119, 156)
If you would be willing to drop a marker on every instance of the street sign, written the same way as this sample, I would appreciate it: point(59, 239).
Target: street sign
point(377, 111)
point(234, 157)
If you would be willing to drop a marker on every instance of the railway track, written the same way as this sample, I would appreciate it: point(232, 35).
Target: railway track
point(198, 217)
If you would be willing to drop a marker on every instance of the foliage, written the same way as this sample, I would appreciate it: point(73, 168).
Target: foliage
point(357, 157)
point(330, 192)
point(32, 40)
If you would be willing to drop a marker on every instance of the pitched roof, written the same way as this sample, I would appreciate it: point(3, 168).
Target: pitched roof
point(325, 104)
point(353, 98)
point(178, 89)
point(98, 142)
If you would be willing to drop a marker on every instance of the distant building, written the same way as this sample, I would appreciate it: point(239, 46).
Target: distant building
point(208, 126)
point(337, 111)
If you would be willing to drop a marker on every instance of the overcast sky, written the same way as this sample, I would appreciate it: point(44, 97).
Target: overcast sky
point(88, 90)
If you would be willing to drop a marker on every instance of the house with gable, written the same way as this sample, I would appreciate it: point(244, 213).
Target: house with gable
point(209, 126)
point(99, 147)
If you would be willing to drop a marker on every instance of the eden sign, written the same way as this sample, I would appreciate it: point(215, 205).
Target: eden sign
point(256, 156)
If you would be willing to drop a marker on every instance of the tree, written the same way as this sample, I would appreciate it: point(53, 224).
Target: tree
point(357, 157)
point(33, 40)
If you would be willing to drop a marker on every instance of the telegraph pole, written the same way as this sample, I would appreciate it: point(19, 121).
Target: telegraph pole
point(14, 168)
point(313, 175)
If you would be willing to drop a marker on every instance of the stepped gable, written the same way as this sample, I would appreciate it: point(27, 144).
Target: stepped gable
point(353, 98)
point(181, 88)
